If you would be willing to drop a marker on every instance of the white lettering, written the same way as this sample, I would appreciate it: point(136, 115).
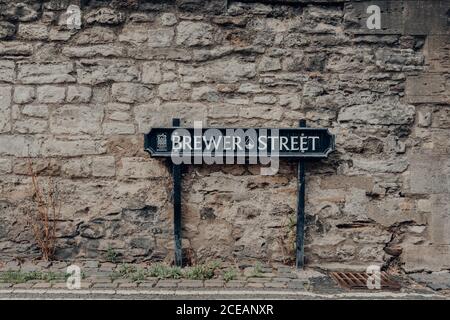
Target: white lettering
point(374, 21)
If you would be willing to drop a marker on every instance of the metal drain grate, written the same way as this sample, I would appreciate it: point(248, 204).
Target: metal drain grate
point(358, 281)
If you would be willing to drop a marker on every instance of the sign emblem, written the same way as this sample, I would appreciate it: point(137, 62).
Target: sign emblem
point(161, 142)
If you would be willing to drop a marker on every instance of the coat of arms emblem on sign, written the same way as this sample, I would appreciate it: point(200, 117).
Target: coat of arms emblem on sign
point(161, 142)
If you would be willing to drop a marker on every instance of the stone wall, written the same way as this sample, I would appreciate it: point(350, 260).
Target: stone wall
point(77, 102)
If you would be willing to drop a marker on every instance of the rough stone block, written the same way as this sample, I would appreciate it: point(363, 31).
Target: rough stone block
point(46, 73)
point(68, 148)
point(158, 38)
point(194, 34)
point(15, 48)
point(7, 30)
point(112, 128)
point(131, 92)
point(76, 120)
point(5, 166)
point(30, 126)
point(100, 50)
point(103, 166)
point(19, 145)
point(96, 35)
point(427, 88)
point(7, 72)
point(51, 94)
point(24, 94)
point(5, 108)
point(439, 221)
point(141, 168)
point(133, 33)
point(385, 112)
point(151, 72)
point(189, 112)
point(417, 258)
point(107, 16)
point(37, 111)
point(226, 71)
point(101, 71)
point(33, 31)
point(429, 174)
point(438, 53)
point(77, 168)
point(79, 94)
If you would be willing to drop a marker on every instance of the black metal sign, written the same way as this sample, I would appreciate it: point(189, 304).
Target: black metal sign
point(249, 143)
point(293, 143)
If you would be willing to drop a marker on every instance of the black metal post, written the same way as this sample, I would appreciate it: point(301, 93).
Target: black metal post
point(176, 173)
point(300, 252)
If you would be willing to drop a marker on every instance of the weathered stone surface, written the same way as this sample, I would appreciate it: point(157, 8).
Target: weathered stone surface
point(430, 174)
point(168, 19)
point(5, 166)
point(79, 94)
point(33, 31)
point(76, 120)
point(146, 119)
point(38, 111)
point(99, 50)
point(51, 94)
point(19, 146)
point(45, 73)
point(21, 11)
point(427, 88)
point(228, 71)
point(24, 94)
point(194, 34)
point(141, 168)
point(134, 33)
point(67, 148)
point(434, 280)
point(158, 38)
point(5, 108)
point(104, 166)
point(7, 30)
point(131, 92)
point(151, 73)
point(97, 72)
point(171, 91)
point(106, 16)
point(418, 258)
point(30, 126)
point(385, 112)
point(15, 48)
point(77, 168)
point(7, 72)
point(96, 35)
point(118, 128)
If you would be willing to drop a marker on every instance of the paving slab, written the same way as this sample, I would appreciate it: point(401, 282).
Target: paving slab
point(167, 283)
point(190, 284)
point(434, 280)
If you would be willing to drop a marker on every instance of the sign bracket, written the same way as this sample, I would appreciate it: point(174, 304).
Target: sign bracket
point(177, 176)
point(301, 188)
point(300, 143)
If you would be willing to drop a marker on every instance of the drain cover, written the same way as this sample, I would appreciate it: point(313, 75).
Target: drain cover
point(358, 281)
